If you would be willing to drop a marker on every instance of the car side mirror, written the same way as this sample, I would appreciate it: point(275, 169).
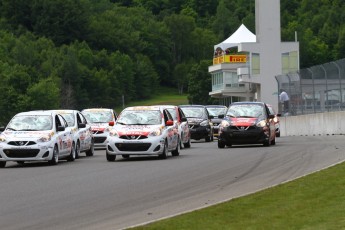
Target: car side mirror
point(169, 123)
point(279, 114)
point(81, 125)
point(2, 129)
point(111, 123)
point(271, 116)
point(60, 128)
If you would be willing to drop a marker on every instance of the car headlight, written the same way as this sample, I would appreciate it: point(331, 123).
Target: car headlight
point(262, 123)
point(44, 138)
point(2, 138)
point(204, 123)
point(224, 124)
point(156, 132)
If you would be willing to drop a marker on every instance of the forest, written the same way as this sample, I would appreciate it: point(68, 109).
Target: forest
point(76, 54)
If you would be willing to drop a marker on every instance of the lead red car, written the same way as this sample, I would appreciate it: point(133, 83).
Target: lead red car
point(247, 123)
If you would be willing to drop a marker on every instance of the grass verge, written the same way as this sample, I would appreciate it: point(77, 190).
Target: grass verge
point(316, 201)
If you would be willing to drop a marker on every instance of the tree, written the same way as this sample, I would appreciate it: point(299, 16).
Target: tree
point(44, 95)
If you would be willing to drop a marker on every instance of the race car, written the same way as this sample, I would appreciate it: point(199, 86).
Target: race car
point(36, 136)
point(99, 119)
point(81, 130)
point(143, 130)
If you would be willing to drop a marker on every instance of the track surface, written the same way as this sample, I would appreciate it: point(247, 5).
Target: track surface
point(91, 193)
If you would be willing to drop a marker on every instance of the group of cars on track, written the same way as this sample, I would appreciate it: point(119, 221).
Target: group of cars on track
point(52, 135)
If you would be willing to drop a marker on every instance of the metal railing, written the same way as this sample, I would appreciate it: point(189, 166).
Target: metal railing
point(316, 89)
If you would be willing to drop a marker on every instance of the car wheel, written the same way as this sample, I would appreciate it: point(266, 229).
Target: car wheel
point(77, 150)
point(55, 157)
point(176, 152)
point(208, 139)
point(163, 155)
point(2, 164)
point(126, 156)
point(212, 137)
point(273, 142)
point(71, 156)
point(221, 144)
point(187, 145)
point(278, 134)
point(90, 152)
point(110, 157)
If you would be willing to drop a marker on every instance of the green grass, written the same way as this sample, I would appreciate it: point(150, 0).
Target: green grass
point(316, 201)
point(164, 96)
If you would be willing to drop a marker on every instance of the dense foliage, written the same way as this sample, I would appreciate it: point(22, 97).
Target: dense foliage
point(88, 53)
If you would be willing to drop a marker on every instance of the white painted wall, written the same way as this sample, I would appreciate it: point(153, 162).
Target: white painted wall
point(330, 123)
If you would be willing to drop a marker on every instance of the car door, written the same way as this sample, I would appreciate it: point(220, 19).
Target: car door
point(83, 131)
point(172, 135)
point(64, 136)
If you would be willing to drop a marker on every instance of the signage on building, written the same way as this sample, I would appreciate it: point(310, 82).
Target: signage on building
point(230, 59)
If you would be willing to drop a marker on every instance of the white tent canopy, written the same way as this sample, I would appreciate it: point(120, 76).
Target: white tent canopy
point(241, 35)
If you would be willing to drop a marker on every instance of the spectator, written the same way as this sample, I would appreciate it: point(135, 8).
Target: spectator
point(284, 98)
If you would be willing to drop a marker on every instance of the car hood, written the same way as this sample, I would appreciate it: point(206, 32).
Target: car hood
point(142, 130)
point(241, 121)
point(26, 134)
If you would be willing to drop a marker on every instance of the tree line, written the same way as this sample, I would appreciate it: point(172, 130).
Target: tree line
point(91, 53)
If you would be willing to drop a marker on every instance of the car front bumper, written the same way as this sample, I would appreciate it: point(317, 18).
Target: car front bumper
point(149, 146)
point(233, 135)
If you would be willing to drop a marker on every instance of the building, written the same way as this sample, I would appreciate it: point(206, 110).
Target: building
point(245, 65)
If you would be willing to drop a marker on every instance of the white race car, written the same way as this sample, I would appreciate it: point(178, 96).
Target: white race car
point(82, 134)
point(99, 119)
point(36, 136)
point(143, 130)
point(182, 123)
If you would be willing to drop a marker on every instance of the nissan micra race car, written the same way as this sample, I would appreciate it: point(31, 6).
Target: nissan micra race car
point(36, 136)
point(81, 130)
point(143, 130)
point(99, 119)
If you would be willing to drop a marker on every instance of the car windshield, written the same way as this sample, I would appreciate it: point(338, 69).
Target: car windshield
point(69, 117)
point(245, 110)
point(98, 116)
point(30, 123)
point(140, 117)
point(193, 111)
point(216, 111)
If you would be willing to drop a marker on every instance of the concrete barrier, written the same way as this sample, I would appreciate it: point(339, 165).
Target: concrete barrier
point(328, 123)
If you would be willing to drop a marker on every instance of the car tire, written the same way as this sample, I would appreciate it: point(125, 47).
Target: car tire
point(176, 152)
point(278, 134)
point(208, 139)
point(2, 164)
point(221, 144)
point(71, 156)
point(126, 156)
point(55, 157)
point(110, 157)
point(273, 142)
point(91, 151)
point(163, 155)
point(187, 144)
point(77, 150)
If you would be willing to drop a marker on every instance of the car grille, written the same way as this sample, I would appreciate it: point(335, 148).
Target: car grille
point(100, 139)
point(193, 126)
point(133, 137)
point(21, 153)
point(21, 143)
point(242, 128)
point(133, 147)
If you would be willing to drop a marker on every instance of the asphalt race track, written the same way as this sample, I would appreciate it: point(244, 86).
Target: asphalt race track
point(91, 193)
